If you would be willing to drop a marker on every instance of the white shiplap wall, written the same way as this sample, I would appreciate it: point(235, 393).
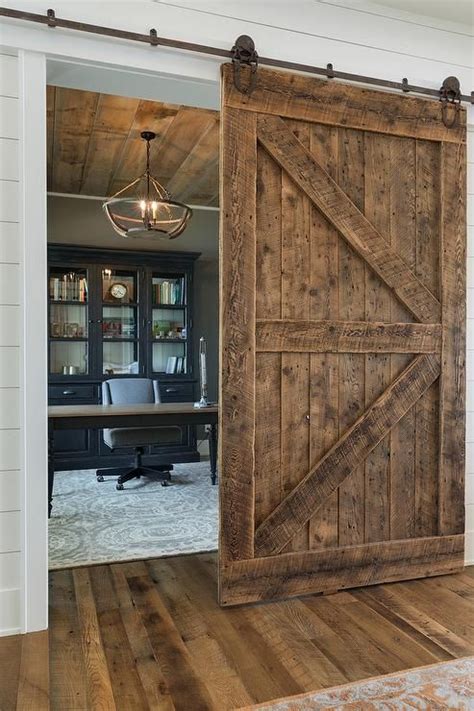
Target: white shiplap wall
point(10, 329)
point(356, 35)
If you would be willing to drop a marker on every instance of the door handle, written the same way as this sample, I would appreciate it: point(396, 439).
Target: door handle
point(171, 390)
point(69, 392)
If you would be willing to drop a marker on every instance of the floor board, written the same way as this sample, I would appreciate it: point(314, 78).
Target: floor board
point(150, 635)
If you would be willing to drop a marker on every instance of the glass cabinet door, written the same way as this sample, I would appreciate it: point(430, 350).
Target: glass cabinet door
point(119, 322)
point(169, 325)
point(68, 322)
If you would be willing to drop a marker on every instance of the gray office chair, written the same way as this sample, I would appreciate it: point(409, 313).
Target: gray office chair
point(128, 391)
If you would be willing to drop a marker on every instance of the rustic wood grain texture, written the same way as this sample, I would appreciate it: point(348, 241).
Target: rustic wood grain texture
point(97, 677)
point(33, 678)
point(237, 334)
point(428, 234)
point(324, 368)
point(452, 384)
point(268, 365)
point(351, 292)
point(349, 451)
point(403, 235)
point(94, 145)
point(317, 100)
point(295, 302)
point(287, 335)
point(251, 655)
point(301, 573)
point(377, 367)
point(347, 218)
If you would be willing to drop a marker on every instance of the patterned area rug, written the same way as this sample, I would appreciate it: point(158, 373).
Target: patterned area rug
point(448, 685)
point(94, 523)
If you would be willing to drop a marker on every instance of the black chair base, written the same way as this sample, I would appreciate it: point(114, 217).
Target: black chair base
point(125, 474)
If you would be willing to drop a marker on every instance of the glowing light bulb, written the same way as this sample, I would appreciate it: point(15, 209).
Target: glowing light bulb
point(154, 208)
point(143, 208)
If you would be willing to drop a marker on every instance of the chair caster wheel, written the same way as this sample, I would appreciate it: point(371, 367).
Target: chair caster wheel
point(165, 483)
point(119, 487)
point(100, 477)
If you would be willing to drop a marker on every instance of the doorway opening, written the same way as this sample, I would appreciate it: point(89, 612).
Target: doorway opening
point(150, 331)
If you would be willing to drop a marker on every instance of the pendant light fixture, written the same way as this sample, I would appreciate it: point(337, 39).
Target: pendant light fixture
point(144, 206)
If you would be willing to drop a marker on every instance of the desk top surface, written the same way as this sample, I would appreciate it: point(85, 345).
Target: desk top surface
point(172, 408)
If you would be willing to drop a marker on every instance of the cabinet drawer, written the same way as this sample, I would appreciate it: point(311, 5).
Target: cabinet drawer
point(79, 391)
point(176, 392)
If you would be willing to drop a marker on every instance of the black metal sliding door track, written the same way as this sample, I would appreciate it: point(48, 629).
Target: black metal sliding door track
point(244, 53)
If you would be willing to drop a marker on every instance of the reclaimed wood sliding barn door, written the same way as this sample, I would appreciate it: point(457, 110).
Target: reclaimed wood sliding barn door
point(342, 338)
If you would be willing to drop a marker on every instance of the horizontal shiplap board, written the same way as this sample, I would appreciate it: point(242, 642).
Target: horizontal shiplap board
point(8, 75)
point(9, 366)
point(9, 166)
point(469, 458)
point(469, 548)
point(9, 284)
point(10, 611)
point(9, 201)
point(469, 426)
point(470, 241)
point(10, 456)
point(469, 517)
point(9, 325)
point(10, 531)
point(470, 489)
point(9, 408)
point(10, 570)
point(470, 272)
point(9, 117)
point(10, 243)
point(470, 334)
point(10, 491)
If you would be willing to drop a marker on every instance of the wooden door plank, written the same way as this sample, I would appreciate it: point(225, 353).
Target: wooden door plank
point(317, 100)
point(295, 302)
point(326, 194)
point(348, 453)
point(377, 366)
point(268, 365)
point(452, 384)
point(351, 292)
point(303, 336)
point(303, 573)
point(237, 330)
point(428, 233)
point(403, 236)
point(324, 368)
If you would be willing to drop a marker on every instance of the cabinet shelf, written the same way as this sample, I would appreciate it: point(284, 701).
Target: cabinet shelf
point(67, 339)
point(64, 302)
point(169, 340)
point(170, 306)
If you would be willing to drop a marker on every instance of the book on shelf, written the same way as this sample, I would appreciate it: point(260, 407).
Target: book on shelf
point(170, 292)
point(175, 365)
point(69, 287)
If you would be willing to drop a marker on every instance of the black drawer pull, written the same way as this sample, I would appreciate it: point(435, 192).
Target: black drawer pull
point(69, 392)
point(171, 390)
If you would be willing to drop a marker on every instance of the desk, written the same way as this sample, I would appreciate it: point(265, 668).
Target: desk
point(75, 417)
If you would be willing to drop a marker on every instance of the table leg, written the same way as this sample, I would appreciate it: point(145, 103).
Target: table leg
point(50, 467)
point(213, 452)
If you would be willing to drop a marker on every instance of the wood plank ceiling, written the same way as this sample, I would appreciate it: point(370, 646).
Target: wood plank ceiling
point(94, 145)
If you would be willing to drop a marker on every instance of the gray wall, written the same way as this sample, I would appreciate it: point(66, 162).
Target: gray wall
point(82, 222)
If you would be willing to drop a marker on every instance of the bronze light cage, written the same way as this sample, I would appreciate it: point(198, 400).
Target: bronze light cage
point(144, 206)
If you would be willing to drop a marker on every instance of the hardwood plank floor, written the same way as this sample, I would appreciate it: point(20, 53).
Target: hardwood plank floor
point(150, 635)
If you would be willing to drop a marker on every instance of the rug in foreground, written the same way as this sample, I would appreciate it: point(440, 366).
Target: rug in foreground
point(448, 685)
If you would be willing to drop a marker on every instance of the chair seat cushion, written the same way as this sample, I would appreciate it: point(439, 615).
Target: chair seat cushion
point(141, 436)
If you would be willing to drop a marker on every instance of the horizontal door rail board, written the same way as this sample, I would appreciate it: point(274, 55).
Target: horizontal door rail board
point(350, 450)
point(338, 568)
point(321, 101)
point(354, 227)
point(285, 335)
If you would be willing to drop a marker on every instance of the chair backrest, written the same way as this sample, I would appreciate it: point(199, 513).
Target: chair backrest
point(130, 391)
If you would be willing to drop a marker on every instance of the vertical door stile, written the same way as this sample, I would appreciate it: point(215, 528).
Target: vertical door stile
point(237, 329)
